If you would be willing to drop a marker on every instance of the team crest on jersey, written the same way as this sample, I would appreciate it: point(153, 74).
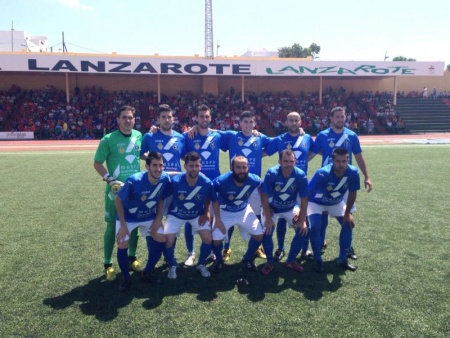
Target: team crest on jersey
point(292, 188)
point(329, 188)
point(121, 150)
point(331, 144)
point(143, 197)
point(160, 146)
point(231, 197)
point(181, 197)
point(197, 146)
point(277, 187)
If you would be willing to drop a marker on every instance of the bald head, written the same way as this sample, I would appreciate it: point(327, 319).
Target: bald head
point(293, 123)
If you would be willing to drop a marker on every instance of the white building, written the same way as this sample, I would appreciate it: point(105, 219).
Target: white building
point(264, 53)
point(20, 41)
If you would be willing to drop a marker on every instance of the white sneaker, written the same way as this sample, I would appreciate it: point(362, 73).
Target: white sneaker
point(212, 256)
point(172, 272)
point(190, 259)
point(203, 270)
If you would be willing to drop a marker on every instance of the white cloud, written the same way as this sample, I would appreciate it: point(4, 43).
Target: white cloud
point(74, 4)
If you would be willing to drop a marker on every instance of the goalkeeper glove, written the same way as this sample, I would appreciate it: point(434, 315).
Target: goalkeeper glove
point(114, 184)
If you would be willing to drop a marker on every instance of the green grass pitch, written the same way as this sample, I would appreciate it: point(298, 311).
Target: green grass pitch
point(51, 276)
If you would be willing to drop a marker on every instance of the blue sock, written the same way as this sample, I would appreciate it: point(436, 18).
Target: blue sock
point(122, 259)
point(217, 249)
point(267, 244)
point(281, 232)
point(230, 233)
point(154, 254)
point(205, 250)
point(149, 240)
point(296, 246)
point(253, 245)
point(315, 221)
point(345, 240)
point(188, 237)
point(169, 255)
point(324, 225)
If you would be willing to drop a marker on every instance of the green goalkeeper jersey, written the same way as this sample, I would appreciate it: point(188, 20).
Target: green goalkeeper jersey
point(121, 153)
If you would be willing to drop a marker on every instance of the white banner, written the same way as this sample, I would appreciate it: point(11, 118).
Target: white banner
point(17, 135)
point(141, 65)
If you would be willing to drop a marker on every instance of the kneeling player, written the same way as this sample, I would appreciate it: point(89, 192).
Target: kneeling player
point(285, 187)
point(140, 204)
point(192, 193)
point(232, 208)
point(328, 187)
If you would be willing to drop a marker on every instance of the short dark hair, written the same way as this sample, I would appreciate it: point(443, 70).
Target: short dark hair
point(191, 156)
point(164, 108)
point(287, 152)
point(126, 108)
point(339, 152)
point(335, 109)
point(245, 114)
point(153, 155)
point(202, 107)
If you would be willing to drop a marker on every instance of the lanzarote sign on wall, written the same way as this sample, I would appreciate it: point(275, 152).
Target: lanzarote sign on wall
point(142, 65)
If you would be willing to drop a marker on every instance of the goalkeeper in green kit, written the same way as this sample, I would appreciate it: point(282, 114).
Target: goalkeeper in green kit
point(120, 150)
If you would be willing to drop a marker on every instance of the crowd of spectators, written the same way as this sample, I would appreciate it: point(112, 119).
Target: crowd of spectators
point(91, 112)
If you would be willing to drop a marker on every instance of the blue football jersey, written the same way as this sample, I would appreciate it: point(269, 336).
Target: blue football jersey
point(140, 197)
point(189, 201)
point(283, 192)
point(232, 197)
point(173, 148)
point(326, 188)
point(251, 147)
point(208, 147)
point(300, 145)
point(327, 140)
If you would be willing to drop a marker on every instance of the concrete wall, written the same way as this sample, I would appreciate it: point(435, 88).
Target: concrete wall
point(171, 85)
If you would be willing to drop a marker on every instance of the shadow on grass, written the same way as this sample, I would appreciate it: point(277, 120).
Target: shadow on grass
point(311, 284)
point(102, 300)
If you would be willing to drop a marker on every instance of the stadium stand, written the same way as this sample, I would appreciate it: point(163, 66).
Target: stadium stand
point(91, 112)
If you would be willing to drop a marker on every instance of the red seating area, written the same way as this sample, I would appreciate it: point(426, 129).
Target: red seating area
point(92, 111)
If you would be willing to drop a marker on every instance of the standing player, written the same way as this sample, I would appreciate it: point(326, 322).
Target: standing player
point(192, 193)
point(246, 143)
point(139, 204)
point(337, 136)
point(300, 144)
point(233, 191)
point(120, 151)
point(285, 187)
point(166, 141)
point(333, 190)
point(207, 143)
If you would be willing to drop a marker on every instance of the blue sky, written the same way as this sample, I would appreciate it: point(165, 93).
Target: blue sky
point(360, 30)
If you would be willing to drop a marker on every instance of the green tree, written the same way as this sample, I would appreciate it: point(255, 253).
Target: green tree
point(448, 68)
point(297, 51)
point(402, 58)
